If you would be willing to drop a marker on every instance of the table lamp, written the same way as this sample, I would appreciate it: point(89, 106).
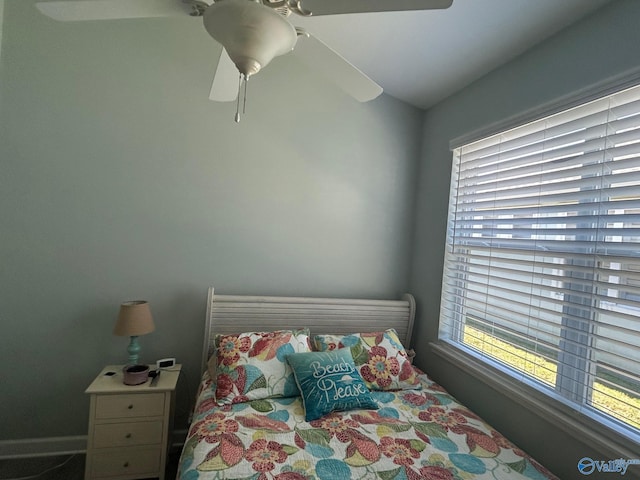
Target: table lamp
point(134, 319)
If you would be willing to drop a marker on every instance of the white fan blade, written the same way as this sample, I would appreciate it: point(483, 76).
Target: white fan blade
point(335, 68)
point(333, 7)
point(71, 11)
point(225, 80)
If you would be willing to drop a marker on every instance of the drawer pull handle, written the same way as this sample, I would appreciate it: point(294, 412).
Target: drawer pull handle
point(128, 435)
point(130, 407)
point(126, 464)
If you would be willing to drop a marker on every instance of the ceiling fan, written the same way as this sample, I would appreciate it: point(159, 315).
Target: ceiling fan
point(252, 33)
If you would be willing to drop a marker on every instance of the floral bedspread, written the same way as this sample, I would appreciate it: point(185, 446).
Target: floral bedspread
point(416, 434)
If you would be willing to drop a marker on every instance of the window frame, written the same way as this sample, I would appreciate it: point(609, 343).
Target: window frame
point(589, 422)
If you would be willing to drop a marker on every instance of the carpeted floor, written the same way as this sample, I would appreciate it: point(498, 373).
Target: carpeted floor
point(66, 467)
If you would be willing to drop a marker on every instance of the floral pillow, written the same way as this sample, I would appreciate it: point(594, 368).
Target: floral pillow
point(252, 365)
point(329, 382)
point(379, 356)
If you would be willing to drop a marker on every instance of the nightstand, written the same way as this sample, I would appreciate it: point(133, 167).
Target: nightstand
point(129, 426)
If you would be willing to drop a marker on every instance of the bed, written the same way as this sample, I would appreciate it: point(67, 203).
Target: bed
point(315, 388)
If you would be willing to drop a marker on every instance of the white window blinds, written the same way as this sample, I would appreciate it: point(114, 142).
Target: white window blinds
point(542, 266)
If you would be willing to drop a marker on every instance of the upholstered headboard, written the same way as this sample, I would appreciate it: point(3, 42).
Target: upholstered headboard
point(244, 313)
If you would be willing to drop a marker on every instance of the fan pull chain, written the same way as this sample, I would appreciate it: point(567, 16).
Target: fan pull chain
point(238, 99)
point(242, 80)
point(244, 97)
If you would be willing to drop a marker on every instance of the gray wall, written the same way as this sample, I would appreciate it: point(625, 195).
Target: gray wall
point(603, 45)
point(119, 180)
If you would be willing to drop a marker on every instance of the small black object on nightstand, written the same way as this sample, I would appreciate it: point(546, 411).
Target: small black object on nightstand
point(154, 375)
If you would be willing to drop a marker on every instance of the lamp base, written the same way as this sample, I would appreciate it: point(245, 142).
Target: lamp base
point(133, 350)
point(135, 374)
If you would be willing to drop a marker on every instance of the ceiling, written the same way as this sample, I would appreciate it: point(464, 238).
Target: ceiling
point(421, 57)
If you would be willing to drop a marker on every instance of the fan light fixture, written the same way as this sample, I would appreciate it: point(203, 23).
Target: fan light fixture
point(251, 33)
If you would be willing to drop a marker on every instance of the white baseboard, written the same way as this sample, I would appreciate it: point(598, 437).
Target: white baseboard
point(43, 447)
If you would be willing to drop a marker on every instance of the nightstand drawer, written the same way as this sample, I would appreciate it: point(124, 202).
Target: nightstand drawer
point(128, 461)
point(128, 406)
point(123, 434)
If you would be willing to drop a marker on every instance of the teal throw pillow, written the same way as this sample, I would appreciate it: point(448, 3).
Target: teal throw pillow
point(329, 382)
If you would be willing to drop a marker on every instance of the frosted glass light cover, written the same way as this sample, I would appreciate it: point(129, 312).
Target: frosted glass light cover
point(251, 33)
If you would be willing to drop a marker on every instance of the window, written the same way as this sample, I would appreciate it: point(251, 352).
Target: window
point(542, 265)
